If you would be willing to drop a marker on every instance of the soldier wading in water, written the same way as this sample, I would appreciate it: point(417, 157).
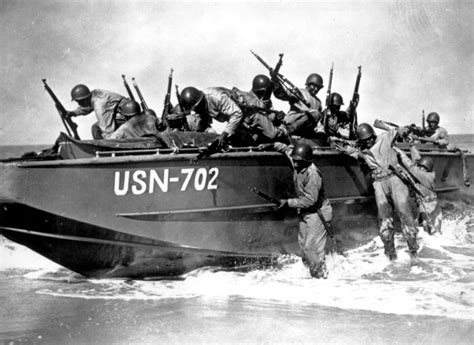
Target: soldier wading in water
point(391, 193)
point(314, 208)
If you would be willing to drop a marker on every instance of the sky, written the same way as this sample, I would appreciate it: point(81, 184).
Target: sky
point(415, 55)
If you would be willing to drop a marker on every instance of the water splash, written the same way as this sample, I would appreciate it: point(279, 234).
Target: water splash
point(441, 285)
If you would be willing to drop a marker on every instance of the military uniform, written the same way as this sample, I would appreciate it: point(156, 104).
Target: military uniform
point(260, 125)
point(391, 194)
point(106, 106)
point(138, 126)
point(440, 134)
point(338, 124)
point(298, 121)
point(311, 196)
point(429, 209)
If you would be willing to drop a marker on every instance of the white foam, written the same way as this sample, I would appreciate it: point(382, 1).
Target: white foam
point(363, 278)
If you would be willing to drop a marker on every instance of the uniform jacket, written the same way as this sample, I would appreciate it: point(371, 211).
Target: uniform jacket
point(379, 156)
point(339, 124)
point(309, 186)
point(297, 106)
point(222, 108)
point(137, 126)
point(426, 178)
point(105, 104)
point(441, 135)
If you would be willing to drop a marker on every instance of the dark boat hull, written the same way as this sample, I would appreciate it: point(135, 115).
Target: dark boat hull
point(159, 215)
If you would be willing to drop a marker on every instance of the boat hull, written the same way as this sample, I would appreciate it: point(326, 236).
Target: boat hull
point(160, 215)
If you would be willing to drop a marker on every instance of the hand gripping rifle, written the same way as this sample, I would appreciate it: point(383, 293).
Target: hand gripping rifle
point(167, 103)
point(289, 87)
point(415, 131)
point(208, 151)
point(328, 94)
point(127, 87)
point(70, 125)
point(277, 202)
point(407, 178)
point(274, 78)
point(139, 93)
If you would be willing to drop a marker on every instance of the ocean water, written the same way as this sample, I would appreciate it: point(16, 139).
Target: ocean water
point(365, 299)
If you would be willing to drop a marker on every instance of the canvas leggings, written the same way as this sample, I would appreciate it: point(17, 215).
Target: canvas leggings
point(392, 194)
point(431, 216)
point(312, 238)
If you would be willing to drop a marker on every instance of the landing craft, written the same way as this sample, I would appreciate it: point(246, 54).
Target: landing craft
point(136, 208)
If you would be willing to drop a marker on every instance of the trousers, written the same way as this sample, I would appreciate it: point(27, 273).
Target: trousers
point(391, 195)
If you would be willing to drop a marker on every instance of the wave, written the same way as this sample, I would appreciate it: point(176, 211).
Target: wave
point(441, 285)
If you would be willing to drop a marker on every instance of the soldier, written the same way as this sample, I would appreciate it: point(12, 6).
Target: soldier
point(260, 85)
point(302, 120)
point(314, 208)
point(422, 168)
point(216, 103)
point(259, 124)
point(106, 106)
point(434, 131)
point(339, 123)
point(391, 193)
point(138, 123)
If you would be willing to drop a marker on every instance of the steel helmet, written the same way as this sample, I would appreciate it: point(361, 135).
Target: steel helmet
point(80, 92)
point(260, 83)
point(150, 112)
point(365, 131)
point(130, 108)
point(316, 79)
point(433, 117)
point(302, 151)
point(426, 162)
point(336, 99)
point(190, 98)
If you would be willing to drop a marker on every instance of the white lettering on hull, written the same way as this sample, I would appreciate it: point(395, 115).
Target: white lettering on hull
point(139, 182)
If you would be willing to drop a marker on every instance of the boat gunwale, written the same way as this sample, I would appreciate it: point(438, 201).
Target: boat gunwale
point(122, 157)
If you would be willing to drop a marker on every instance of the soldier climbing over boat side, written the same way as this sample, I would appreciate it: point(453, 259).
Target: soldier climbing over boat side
point(106, 105)
point(305, 107)
point(258, 118)
point(422, 176)
point(216, 104)
point(139, 123)
point(336, 122)
point(314, 208)
point(391, 193)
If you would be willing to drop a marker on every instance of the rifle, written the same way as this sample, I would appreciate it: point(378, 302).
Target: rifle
point(406, 178)
point(265, 196)
point(178, 97)
point(423, 128)
point(274, 78)
point(167, 102)
point(355, 95)
point(328, 94)
point(129, 91)
point(70, 125)
point(208, 151)
point(277, 202)
point(139, 93)
point(289, 87)
point(384, 125)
